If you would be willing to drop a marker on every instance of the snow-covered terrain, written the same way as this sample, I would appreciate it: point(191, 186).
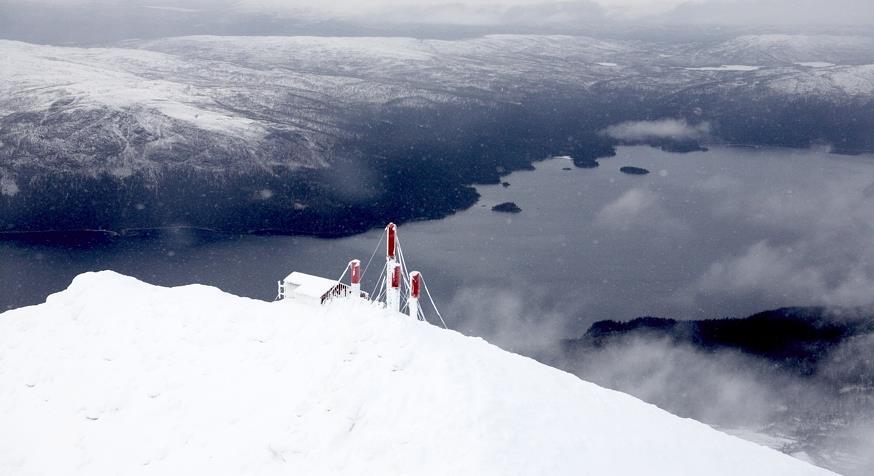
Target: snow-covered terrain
point(245, 103)
point(782, 48)
point(114, 376)
point(815, 64)
point(727, 67)
point(256, 102)
point(230, 116)
point(844, 80)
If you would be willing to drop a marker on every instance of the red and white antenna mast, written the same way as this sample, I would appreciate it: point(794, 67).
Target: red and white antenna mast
point(393, 296)
point(355, 277)
point(392, 270)
point(415, 288)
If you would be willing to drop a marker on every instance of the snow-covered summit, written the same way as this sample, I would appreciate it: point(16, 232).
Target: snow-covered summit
point(115, 376)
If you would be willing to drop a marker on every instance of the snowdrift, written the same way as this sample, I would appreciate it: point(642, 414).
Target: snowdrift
point(115, 376)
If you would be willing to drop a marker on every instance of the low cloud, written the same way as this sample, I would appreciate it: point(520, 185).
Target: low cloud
point(627, 208)
point(643, 131)
point(724, 387)
point(817, 416)
point(792, 272)
point(818, 250)
point(641, 209)
point(524, 323)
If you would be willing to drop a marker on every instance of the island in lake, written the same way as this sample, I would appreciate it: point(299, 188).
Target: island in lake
point(506, 207)
point(585, 162)
point(634, 170)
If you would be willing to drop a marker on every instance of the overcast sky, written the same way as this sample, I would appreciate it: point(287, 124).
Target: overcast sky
point(552, 11)
point(618, 7)
point(94, 22)
point(466, 12)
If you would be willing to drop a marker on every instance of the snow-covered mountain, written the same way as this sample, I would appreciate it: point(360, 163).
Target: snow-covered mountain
point(769, 49)
point(117, 376)
point(262, 100)
point(285, 101)
point(238, 116)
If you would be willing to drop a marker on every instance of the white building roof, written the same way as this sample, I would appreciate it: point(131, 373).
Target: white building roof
point(308, 285)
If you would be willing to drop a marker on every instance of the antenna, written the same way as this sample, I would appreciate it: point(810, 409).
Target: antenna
point(415, 288)
point(393, 297)
point(391, 243)
point(355, 277)
point(392, 270)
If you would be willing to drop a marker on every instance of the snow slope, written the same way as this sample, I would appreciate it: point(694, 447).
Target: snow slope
point(114, 376)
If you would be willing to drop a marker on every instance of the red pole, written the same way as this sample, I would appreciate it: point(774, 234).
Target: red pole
point(396, 277)
point(355, 269)
point(415, 284)
point(392, 239)
point(413, 301)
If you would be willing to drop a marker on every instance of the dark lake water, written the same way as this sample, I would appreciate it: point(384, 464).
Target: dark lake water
point(720, 233)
